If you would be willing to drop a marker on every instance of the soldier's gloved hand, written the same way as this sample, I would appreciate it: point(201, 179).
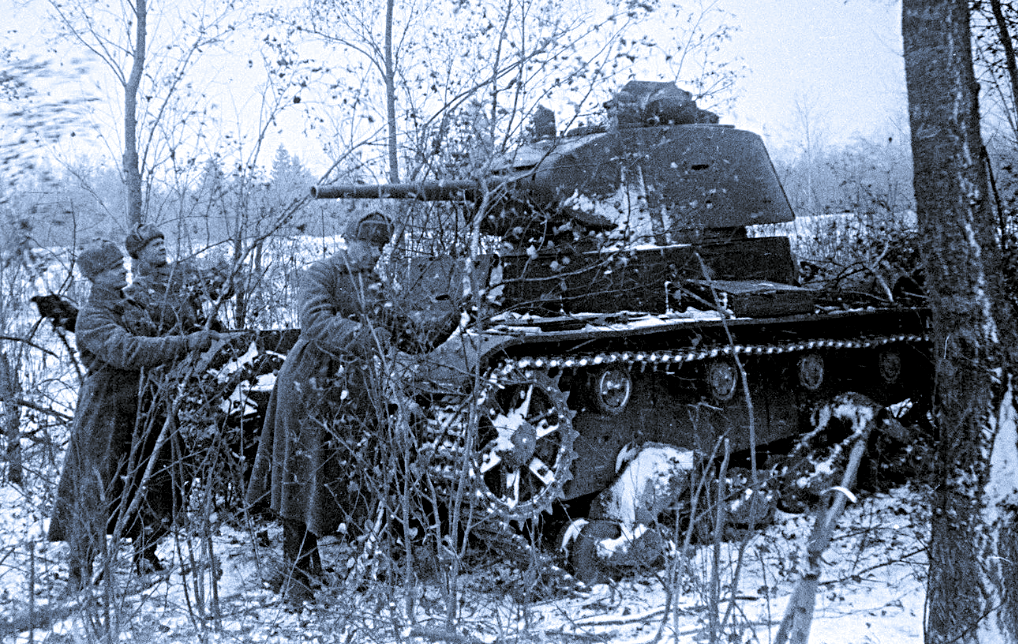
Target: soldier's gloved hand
point(369, 340)
point(200, 340)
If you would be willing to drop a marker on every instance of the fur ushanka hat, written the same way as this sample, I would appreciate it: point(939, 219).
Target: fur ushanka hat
point(99, 257)
point(140, 237)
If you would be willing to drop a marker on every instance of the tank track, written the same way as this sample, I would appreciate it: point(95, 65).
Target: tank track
point(677, 358)
point(446, 436)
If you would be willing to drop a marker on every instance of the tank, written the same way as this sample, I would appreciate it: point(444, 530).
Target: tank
point(627, 306)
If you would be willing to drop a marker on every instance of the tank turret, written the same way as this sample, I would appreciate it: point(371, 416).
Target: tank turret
point(628, 214)
point(659, 169)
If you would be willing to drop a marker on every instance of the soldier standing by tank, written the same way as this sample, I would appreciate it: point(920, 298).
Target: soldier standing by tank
point(108, 450)
point(328, 372)
point(171, 295)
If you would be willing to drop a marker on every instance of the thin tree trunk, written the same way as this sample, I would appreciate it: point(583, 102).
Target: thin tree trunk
point(798, 619)
point(1009, 57)
point(10, 393)
point(972, 548)
point(390, 94)
point(132, 163)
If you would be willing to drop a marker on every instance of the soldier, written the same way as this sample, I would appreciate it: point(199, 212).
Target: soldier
point(108, 451)
point(327, 372)
point(169, 291)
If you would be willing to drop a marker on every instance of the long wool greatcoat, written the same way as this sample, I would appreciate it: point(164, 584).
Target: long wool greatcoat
point(324, 383)
point(111, 336)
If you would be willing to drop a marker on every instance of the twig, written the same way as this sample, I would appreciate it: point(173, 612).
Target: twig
point(29, 343)
point(167, 428)
point(442, 635)
point(24, 402)
point(368, 551)
point(856, 576)
point(620, 621)
point(719, 531)
point(31, 588)
point(754, 474)
point(583, 637)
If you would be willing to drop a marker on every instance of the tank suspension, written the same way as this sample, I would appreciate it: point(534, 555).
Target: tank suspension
point(538, 450)
point(526, 438)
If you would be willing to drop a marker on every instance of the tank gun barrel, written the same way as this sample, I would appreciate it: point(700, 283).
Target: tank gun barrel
point(425, 191)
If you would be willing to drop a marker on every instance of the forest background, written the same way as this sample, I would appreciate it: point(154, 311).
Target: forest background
point(434, 106)
point(402, 93)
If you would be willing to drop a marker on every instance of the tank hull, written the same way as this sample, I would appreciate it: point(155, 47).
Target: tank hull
point(627, 306)
point(792, 364)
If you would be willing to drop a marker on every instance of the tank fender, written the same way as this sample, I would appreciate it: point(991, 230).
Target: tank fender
point(454, 363)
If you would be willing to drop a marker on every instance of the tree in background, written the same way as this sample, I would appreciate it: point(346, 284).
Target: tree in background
point(441, 68)
point(151, 56)
point(993, 27)
point(973, 542)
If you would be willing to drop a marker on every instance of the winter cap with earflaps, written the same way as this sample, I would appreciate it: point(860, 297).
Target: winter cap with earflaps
point(138, 238)
point(98, 257)
point(375, 229)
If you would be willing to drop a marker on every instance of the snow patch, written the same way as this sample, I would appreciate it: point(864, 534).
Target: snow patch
point(235, 365)
point(858, 414)
point(608, 548)
point(264, 382)
point(1002, 486)
point(655, 476)
point(572, 533)
point(239, 401)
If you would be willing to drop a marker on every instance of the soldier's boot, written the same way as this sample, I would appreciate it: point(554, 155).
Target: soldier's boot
point(145, 559)
point(301, 561)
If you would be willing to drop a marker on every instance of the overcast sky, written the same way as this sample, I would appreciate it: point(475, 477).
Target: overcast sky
point(842, 58)
point(839, 59)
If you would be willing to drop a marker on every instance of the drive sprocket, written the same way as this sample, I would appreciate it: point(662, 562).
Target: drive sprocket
point(519, 425)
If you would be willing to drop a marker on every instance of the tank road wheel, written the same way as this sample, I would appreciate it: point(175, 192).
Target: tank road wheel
point(524, 444)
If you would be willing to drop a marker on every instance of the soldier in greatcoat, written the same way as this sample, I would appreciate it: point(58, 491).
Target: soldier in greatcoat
point(171, 294)
point(327, 373)
point(106, 447)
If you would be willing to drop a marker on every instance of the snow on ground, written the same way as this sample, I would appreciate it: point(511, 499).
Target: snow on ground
point(872, 590)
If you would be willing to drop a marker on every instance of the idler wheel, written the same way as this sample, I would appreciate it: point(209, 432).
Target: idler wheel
point(525, 443)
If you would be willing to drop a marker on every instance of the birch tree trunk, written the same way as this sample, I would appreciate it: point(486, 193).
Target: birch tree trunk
point(973, 542)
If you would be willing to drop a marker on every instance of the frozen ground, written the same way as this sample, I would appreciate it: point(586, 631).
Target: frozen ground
point(872, 590)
